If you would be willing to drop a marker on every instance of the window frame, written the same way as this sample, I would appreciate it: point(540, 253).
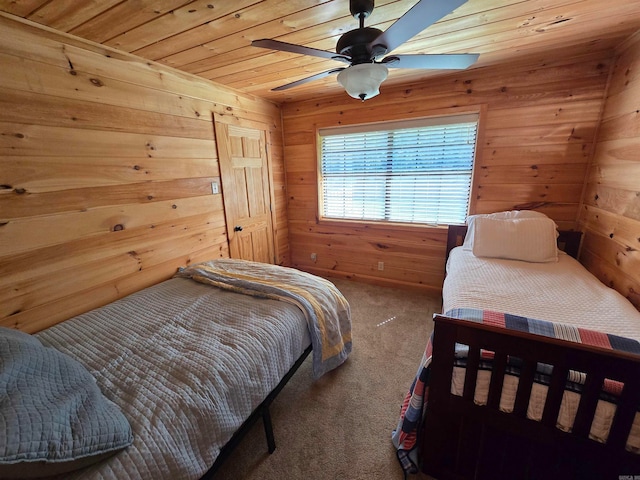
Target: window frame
point(479, 110)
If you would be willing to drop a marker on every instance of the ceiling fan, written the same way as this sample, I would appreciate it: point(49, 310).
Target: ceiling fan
point(362, 47)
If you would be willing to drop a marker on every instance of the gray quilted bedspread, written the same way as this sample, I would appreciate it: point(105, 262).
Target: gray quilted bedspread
point(187, 364)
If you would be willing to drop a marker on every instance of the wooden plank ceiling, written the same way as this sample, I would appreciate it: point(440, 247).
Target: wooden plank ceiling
point(211, 38)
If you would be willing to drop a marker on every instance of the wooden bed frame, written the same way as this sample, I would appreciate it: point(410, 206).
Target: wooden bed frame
point(460, 439)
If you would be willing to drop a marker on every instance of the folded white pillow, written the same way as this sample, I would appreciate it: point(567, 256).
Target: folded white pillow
point(526, 239)
point(467, 244)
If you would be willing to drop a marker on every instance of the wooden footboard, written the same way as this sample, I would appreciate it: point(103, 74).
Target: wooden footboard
point(463, 440)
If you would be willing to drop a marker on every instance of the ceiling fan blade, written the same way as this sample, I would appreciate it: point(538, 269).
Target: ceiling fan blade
point(443, 61)
point(422, 14)
point(290, 47)
point(317, 76)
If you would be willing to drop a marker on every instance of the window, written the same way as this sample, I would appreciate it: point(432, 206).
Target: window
point(416, 171)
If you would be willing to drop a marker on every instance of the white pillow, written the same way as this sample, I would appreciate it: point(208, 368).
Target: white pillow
point(467, 244)
point(526, 239)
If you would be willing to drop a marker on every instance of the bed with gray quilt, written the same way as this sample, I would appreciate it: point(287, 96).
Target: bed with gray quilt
point(177, 367)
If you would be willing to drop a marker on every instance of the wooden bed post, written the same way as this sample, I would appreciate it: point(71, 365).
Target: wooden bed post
point(439, 387)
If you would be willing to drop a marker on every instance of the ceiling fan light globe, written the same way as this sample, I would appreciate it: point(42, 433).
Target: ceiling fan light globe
point(363, 81)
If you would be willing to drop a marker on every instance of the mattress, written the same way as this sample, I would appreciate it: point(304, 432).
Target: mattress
point(563, 292)
point(187, 364)
point(557, 292)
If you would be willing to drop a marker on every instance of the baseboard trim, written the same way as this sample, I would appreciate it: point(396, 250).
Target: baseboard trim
point(383, 282)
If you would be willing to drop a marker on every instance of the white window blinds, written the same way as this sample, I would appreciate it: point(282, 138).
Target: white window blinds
point(408, 172)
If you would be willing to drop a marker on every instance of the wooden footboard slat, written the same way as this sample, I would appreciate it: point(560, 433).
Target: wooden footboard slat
point(471, 375)
point(525, 385)
point(554, 395)
point(588, 404)
point(497, 380)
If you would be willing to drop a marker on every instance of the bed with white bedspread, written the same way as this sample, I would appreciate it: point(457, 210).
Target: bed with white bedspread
point(563, 290)
point(187, 362)
point(515, 404)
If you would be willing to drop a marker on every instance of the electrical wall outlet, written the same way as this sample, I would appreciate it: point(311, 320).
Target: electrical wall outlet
point(314, 257)
point(380, 265)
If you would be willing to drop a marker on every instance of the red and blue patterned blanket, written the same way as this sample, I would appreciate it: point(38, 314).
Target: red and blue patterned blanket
point(405, 435)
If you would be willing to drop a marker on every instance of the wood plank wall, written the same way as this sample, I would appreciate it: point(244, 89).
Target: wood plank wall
point(610, 215)
point(537, 136)
point(106, 164)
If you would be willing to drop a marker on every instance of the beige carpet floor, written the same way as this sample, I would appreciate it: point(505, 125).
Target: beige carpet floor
point(339, 427)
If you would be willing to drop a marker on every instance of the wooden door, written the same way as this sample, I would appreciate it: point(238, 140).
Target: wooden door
point(244, 171)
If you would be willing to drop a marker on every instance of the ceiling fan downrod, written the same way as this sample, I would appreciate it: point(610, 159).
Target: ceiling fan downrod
point(355, 43)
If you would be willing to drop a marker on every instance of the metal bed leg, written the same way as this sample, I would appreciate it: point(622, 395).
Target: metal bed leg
point(261, 411)
point(268, 429)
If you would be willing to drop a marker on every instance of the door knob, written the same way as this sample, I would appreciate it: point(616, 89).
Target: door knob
point(237, 228)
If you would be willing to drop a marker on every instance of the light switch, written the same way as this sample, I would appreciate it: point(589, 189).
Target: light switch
point(214, 188)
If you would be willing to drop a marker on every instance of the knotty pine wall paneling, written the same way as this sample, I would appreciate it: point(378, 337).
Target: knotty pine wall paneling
point(106, 165)
point(537, 134)
point(610, 215)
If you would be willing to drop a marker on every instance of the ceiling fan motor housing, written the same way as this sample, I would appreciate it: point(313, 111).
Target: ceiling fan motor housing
point(361, 7)
point(355, 44)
